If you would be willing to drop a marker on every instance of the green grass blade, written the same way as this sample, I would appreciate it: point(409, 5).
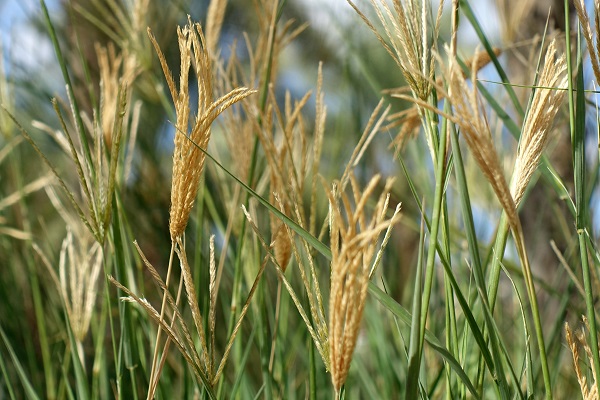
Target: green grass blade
point(17, 364)
point(414, 351)
point(440, 182)
point(7, 381)
point(243, 361)
point(406, 317)
point(80, 375)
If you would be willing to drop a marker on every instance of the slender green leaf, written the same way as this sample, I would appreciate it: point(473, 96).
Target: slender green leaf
point(29, 390)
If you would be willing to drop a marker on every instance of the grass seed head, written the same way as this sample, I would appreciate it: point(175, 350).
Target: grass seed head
point(536, 130)
point(190, 144)
point(411, 36)
point(353, 247)
point(575, 341)
point(470, 115)
point(115, 69)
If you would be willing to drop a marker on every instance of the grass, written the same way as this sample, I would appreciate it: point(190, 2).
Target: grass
point(185, 225)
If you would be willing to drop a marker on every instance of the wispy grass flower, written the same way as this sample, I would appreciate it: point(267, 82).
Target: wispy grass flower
point(546, 101)
point(354, 238)
point(410, 40)
point(79, 268)
point(188, 159)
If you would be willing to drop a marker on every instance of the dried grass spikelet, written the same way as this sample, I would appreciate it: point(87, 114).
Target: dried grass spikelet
point(536, 129)
point(280, 240)
point(353, 247)
point(79, 269)
point(584, 20)
point(577, 340)
point(469, 115)
point(214, 22)
point(115, 69)
point(412, 37)
point(188, 159)
point(200, 351)
point(410, 118)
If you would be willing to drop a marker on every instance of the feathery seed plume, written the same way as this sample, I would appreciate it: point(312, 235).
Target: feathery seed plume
point(411, 39)
point(544, 106)
point(188, 156)
point(470, 116)
point(353, 245)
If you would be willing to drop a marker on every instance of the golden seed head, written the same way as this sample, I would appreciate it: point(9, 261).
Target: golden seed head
point(536, 129)
point(575, 341)
point(469, 114)
point(190, 145)
point(411, 36)
point(353, 247)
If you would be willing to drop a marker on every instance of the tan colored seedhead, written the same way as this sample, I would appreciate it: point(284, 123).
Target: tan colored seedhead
point(536, 130)
point(411, 37)
point(577, 340)
point(192, 136)
point(354, 238)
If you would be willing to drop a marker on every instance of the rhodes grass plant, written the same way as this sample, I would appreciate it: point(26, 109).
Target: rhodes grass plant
point(420, 225)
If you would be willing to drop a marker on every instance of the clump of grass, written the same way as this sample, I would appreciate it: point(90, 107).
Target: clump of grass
point(324, 257)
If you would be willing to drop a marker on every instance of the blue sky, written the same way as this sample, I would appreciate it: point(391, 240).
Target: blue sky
point(21, 44)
